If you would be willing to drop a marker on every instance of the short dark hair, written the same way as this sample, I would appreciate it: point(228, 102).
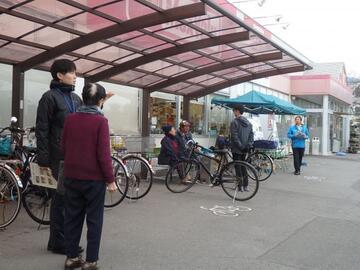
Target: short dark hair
point(184, 123)
point(298, 116)
point(63, 66)
point(167, 128)
point(239, 108)
point(92, 93)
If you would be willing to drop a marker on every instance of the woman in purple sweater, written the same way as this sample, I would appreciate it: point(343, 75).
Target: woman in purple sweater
point(88, 172)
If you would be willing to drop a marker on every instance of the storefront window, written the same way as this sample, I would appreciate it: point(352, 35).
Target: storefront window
point(197, 117)
point(314, 125)
point(336, 132)
point(6, 94)
point(36, 84)
point(219, 121)
point(283, 122)
point(302, 103)
point(122, 110)
point(162, 111)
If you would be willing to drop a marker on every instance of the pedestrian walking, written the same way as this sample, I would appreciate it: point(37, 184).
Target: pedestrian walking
point(241, 141)
point(88, 172)
point(298, 133)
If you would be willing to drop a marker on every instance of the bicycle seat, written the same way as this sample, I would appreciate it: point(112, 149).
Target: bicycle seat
point(220, 151)
point(30, 149)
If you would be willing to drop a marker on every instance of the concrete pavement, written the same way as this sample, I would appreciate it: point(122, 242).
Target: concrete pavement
point(310, 221)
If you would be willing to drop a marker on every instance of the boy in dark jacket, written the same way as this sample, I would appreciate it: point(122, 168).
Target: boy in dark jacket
point(54, 106)
point(241, 140)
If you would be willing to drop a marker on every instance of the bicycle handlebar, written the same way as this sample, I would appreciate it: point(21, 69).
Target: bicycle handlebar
point(18, 130)
point(195, 145)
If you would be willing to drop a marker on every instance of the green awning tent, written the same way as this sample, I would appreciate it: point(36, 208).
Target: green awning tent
point(258, 103)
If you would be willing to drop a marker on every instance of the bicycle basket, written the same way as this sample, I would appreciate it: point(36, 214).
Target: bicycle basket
point(265, 144)
point(5, 146)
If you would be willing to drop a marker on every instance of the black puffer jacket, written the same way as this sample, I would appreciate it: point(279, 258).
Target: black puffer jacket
point(241, 135)
point(53, 108)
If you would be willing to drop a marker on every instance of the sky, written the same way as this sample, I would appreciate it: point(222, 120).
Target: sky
point(322, 30)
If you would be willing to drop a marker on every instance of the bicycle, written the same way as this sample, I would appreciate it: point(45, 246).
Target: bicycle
point(10, 195)
point(121, 174)
point(140, 174)
point(35, 199)
point(262, 162)
point(233, 176)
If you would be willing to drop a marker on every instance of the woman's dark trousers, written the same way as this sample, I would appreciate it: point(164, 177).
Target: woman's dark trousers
point(298, 154)
point(84, 198)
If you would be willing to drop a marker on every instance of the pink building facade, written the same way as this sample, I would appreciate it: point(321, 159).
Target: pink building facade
point(327, 98)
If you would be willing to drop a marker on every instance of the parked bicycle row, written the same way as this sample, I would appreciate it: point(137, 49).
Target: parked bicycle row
point(72, 174)
point(133, 174)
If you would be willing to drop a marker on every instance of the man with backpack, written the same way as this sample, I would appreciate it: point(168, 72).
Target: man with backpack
point(241, 140)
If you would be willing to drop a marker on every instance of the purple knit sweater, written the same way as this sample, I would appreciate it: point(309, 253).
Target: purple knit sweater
point(86, 146)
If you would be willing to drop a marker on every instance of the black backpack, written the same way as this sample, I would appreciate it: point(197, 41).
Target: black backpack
point(222, 142)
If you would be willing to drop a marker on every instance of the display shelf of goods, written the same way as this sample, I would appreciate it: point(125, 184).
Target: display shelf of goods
point(354, 142)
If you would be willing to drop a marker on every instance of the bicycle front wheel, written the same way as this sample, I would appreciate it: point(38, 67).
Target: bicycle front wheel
point(263, 164)
point(122, 182)
point(239, 180)
point(10, 196)
point(140, 177)
point(37, 203)
point(182, 176)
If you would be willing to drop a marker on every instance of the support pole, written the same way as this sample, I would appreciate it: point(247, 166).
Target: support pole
point(178, 111)
point(17, 108)
point(207, 105)
point(186, 108)
point(325, 126)
point(145, 114)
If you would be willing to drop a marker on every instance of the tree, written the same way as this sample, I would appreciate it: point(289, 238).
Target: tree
point(357, 91)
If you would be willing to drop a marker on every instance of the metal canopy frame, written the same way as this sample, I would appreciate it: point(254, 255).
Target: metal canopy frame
point(214, 68)
point(168, 46)
point(220, 86)
point(137, 67)
point(141, 22)
point(188, 47)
